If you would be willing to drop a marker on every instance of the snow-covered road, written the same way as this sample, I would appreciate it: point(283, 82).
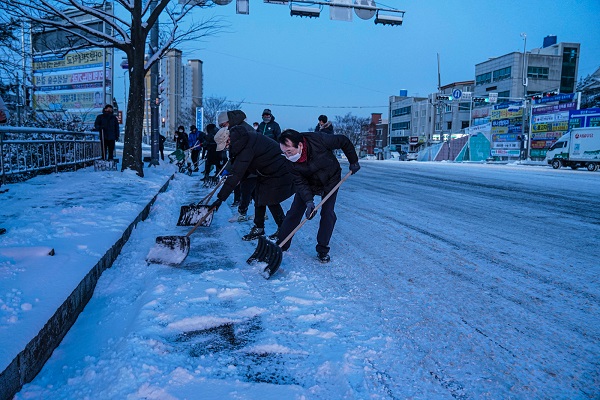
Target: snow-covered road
point(446, 281)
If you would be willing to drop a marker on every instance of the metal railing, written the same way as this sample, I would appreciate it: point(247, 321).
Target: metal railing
point(29, 150)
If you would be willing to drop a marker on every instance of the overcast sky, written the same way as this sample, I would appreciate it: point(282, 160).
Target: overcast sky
point(301, 68)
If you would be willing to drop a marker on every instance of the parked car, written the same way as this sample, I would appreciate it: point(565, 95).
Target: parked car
point(412, 156)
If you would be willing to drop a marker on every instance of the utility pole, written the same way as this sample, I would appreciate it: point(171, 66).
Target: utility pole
point(154, 131)
point(524, 108)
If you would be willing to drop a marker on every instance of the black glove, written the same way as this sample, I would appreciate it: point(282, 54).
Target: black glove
point(310, 207)
point(217, 204)
point(354, 167)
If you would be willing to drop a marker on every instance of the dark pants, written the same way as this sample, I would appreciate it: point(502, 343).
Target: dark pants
point(108, 150)
point(237, 193)
point(246, 193)
point(161, 149)
point(195, 155)
point(261, 211)
point(326, 224)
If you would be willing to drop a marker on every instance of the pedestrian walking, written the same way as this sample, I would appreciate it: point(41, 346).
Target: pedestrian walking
point(253, 153)
point(213, 157)
point(315, 170)
point(161, 146)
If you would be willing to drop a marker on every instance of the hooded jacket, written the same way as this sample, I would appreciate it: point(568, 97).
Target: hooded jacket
point(253, 153)
point(321, 171)
point(271, 129)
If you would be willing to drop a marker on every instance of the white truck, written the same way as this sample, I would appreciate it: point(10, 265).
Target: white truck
point(580, 147)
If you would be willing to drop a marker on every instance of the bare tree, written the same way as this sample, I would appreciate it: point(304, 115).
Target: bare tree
point(214, 105)
point(129, 32)
point(351, 126)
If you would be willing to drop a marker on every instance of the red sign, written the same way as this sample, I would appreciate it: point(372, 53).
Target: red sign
point(120, 116)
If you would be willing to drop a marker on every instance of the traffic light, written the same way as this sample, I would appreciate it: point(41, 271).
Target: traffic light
point(481, 100)
point(443, 97)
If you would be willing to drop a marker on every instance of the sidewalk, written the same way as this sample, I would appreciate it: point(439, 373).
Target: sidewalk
point(85, 217)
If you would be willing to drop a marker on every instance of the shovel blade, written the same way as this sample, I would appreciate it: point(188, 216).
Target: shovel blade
point(268, 252)
point(169, 250)
point(190, 215)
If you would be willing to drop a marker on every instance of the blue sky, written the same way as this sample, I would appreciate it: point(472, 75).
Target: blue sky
point(301, 68)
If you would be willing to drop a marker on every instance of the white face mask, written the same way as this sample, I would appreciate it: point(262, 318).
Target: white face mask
point(295, 157)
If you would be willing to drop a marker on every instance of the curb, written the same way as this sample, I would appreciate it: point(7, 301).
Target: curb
point(29, 362)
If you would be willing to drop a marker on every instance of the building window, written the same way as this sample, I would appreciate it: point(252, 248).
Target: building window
point(537, 72)
point(401, 111)
point(464, 124)
point(448, 108)
point(449, 125)
point(503, 97)
point(464, 106)
point(483, 79)
point(401, 125)
point(567, 76)
point(501, 74)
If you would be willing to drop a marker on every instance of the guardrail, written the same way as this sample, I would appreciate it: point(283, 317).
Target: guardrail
point(28, 150)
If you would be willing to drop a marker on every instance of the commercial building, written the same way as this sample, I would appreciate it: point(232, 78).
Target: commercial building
point(550, 68)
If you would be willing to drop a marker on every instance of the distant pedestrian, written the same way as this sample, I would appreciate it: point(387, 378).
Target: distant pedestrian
point(324, 126)
point(316, 171)
point(181, 139)
point(255, 126)
point(161, 146)
point(213, 157)
point(268, 126)
point(194, 141)
point(107, 125)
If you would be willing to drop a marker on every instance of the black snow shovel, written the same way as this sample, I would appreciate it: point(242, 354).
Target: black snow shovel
point(271, 253)
point(190, 214)
point(172, 250)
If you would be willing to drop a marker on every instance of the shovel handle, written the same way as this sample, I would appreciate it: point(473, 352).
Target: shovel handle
point(207, 198)
point(336, 187)
point(201, 220)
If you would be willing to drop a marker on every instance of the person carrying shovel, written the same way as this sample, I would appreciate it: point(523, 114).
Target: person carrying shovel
point(316, 171)
point(253, 153)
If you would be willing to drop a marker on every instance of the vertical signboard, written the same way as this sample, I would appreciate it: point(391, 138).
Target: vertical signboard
point(200, 118)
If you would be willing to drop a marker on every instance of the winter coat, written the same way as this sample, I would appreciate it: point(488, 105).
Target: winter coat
point(326, 128)
point(161, 142)
point(181, 140)
point(272, 129)
point(108, 126)
point(321, 171)
point(194, 140)
point(253, 153)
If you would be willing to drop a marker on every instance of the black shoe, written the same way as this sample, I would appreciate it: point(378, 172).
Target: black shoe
point(235, 204)
point(255, 233)
point(196, 169)
point(323, 257)
point(274, 236)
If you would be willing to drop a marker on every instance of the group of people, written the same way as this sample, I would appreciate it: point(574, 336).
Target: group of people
point(202, 146)
point(272, 166)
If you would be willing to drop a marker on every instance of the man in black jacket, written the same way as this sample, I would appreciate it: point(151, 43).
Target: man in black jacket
point(107, 125)
point(316, 171)
point(268, 126)
point(253, 153)
point(323, 125)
